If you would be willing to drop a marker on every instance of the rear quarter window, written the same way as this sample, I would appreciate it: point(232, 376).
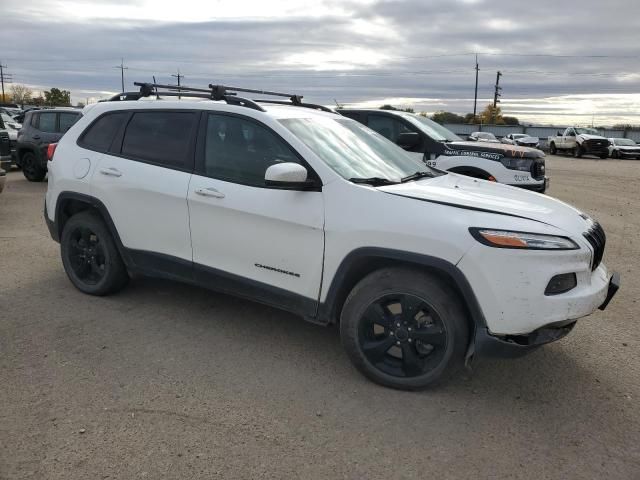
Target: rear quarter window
point(99, 135)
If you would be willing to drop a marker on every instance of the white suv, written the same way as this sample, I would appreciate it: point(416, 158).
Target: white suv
point(317, 214)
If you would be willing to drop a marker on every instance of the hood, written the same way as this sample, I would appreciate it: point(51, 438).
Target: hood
point(472, 194)
point(493, 151)
point(532, 140)
point(588, 136)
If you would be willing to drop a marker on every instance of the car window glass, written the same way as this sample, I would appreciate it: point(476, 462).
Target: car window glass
point(66, 120)
point(100, 134)
point(387, 126)
point(47, 122)
point(159, 137)
point(240, 151)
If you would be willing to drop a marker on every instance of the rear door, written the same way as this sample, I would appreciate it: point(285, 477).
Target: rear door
point(143, 180)
point(249, 239)
point(44, 131)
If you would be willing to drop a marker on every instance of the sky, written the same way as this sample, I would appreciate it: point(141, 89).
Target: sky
point(562, 62)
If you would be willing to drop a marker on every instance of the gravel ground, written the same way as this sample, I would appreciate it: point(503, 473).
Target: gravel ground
point(170, 381)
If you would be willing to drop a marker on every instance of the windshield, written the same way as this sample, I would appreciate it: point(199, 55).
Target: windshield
point(624, 142)
point(433, 129)
point(519, 135)
point(353, 150)
point(588, 131)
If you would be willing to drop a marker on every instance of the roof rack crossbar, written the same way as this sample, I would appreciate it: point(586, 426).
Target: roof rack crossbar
point(301, 104)
point(214, 92)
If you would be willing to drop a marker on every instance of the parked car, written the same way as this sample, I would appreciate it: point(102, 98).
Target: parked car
point(3, 179)
point(521, 139)
point(623, 148)
point(5, 150)
point(12, 127)
point(40, 129)
point(578, 141)
point(438, 147)
point(483, 137)
point(317, 214)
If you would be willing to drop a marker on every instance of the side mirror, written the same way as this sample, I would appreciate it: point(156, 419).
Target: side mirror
point(288, 175)
point(408, 140)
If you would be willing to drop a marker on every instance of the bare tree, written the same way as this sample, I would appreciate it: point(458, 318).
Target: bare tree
point(21, 94)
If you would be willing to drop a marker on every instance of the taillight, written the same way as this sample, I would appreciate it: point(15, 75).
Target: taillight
point(51, 149)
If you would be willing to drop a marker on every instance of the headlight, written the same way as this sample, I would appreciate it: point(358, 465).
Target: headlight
point(523, 164)
point(531, 241)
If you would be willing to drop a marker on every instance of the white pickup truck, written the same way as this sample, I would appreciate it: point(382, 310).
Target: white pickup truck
point(579, 141)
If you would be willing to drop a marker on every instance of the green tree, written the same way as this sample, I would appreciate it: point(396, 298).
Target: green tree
point(511, 120)
point(443, 117)
point(470, 118)
point(58, 98)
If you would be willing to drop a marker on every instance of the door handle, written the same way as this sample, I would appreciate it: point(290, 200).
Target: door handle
point(36, 137)
point(209, 192)
point(111, 172)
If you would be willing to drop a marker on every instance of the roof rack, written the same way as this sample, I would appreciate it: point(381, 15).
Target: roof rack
point(214, 92)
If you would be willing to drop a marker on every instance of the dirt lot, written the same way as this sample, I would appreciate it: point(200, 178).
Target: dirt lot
point(169, 381)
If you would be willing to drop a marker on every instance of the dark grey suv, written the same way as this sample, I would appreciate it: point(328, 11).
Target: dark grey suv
point(41, 128)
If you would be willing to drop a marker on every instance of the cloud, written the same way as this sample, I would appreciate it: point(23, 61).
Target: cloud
point(354, 51)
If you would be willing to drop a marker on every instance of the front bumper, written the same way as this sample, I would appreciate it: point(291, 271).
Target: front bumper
point(488, 345)
point(534, 187)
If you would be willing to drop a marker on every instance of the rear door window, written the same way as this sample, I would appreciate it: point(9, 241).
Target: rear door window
point(67, 120)
point(163, 138)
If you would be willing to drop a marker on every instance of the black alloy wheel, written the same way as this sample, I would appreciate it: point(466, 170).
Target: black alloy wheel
point(402, 335)
point(86, 255)
point(30, 168)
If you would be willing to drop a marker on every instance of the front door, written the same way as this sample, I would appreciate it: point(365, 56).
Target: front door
point(249, 239)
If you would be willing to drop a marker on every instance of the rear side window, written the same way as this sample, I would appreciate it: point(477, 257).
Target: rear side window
point(67, 120)
point(159, 137)
point(47, 122)
point(101, 133)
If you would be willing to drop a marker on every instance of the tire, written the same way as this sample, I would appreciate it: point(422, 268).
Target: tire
point(431, 332)
point(577, 152)
point(604, 156)
point(615, 154)
point(553, 149)
point(90, 256)
point(30, 168)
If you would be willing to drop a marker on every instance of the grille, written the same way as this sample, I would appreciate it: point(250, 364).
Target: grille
point(596, 237)
point(597, 143)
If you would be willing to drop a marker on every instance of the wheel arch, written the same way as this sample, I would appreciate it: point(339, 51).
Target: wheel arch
point(363, 261)
point(70, 203)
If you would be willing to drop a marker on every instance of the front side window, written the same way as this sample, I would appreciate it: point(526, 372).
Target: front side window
point(101, 133)
point(353, 150)
point(47, 122)
point(387, 126)
point(240, 150)
point(67, 120)
point(159, 137)
point(434, 130)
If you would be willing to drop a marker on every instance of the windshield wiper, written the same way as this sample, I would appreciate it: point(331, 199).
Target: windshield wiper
point(416, 176)
point(374, 181)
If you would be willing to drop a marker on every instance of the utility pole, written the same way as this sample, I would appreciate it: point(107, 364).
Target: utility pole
point(497, 92)
point(475, 98)
point(2, 78)
point(178, 76)
point(122, 69)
